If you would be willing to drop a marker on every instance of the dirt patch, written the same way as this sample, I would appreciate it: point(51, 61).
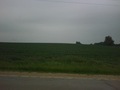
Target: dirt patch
point(59, 75)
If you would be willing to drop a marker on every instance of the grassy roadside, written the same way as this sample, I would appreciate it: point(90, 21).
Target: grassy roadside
point(60, 58)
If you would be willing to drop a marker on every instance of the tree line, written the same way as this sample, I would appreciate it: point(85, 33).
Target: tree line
point(108, 42)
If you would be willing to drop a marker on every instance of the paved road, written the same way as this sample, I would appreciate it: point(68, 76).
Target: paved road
point(37, 83)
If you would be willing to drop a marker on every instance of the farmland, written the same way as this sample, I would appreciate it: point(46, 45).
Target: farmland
point(60, 58)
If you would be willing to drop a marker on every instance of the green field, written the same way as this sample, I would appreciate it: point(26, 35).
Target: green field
point(60, 58)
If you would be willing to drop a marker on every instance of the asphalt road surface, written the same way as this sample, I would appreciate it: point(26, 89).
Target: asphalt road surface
point(38, 83)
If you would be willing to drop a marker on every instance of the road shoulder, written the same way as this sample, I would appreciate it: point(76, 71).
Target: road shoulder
point(58, 75)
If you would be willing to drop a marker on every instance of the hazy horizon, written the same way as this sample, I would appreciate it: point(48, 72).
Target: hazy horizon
point(59, 21)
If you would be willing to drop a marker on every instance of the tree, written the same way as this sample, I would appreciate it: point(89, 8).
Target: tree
point(78, 42)
point(100, 43)
point(108, 41)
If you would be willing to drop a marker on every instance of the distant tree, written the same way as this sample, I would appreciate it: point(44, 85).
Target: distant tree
point(117, 44)
point(91, 44)
point(78, 42)
point(108, 41)
point(100, 43)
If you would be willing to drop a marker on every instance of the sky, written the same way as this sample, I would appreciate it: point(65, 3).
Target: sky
point(59, 21)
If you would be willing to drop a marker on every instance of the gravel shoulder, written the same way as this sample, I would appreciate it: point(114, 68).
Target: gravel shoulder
point(58, 75)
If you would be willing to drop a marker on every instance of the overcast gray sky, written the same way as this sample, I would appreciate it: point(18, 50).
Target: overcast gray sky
point(59, 21)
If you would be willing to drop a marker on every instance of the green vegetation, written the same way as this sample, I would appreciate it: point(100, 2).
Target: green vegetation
point(63, 58)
